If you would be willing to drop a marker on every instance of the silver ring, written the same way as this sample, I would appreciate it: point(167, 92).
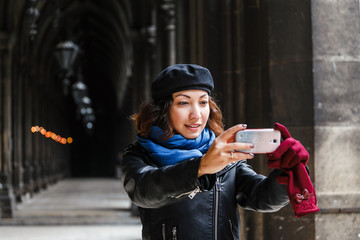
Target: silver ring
point(232, 154)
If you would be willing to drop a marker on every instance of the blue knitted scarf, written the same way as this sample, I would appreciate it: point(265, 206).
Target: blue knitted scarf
point(176, 148)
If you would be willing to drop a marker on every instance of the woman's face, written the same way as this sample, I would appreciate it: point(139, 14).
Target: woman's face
point(189, 112)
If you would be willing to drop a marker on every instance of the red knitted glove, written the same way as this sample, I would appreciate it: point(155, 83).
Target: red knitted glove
point(289, 153)
point(291, 157)
point(301, 191)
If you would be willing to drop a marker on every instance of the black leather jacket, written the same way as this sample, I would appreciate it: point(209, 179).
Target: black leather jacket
point(175, 204)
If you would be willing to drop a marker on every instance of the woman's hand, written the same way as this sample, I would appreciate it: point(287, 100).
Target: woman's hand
point(222, 152)
point(289, 153)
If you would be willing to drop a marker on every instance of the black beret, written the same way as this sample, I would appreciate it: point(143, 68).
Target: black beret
point(180, 77)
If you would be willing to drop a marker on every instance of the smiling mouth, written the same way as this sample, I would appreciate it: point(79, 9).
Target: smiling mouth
point(193, 126)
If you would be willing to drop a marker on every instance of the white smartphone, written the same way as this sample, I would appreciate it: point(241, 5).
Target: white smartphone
point(265, 140)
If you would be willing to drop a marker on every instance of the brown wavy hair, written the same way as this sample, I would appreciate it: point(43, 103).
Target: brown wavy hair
point(158, 114)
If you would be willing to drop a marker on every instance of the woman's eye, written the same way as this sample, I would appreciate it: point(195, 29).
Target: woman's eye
point(182, 103)
point(204, 102)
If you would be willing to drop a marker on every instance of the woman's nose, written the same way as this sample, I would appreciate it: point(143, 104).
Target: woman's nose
point(195, 113)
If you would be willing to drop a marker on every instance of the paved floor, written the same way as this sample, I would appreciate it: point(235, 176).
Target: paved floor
point(74, 209)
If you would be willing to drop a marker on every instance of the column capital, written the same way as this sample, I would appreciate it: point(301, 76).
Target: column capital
point(168, 11)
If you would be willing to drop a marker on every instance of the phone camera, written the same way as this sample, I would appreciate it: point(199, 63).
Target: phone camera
point(274, 141)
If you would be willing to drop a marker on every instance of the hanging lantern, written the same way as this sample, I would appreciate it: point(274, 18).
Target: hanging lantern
point(66, 53)
point(32, 14)
point(79, 90)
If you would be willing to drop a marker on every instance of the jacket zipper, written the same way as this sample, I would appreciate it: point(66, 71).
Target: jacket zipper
point(193, 193)
point(163, 231)
point(190, 194)
point(218, 189)
point(174, 233)
point(231, 227)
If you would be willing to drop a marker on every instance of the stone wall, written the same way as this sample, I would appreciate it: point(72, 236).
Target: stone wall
point(336, 60)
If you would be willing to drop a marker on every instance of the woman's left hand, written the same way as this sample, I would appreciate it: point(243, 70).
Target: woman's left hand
point(289, 153)
point(222, 152)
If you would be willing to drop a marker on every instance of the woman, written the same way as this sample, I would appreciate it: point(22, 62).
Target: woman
point(183, 172)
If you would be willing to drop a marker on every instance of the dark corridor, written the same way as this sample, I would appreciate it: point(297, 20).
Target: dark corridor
point(101, 31)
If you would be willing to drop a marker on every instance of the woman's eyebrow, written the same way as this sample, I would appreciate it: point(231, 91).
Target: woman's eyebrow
point(187, 96)
point(184, 95)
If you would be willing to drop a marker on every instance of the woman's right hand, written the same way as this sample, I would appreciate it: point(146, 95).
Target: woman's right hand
point(223, 152)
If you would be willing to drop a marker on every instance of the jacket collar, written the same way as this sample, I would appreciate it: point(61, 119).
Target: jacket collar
point(230, 166)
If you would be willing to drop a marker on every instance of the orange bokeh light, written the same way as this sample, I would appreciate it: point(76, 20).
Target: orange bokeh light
point(53, 135)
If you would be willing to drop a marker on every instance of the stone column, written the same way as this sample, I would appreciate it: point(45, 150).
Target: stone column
point(167, 32)
point(279, 88)
point(7, 200)
point(18, 166)
point(336, 60)
point(232, 61)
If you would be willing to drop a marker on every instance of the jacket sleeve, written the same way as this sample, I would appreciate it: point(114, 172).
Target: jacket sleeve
point(150, 186)
point(260, 193)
